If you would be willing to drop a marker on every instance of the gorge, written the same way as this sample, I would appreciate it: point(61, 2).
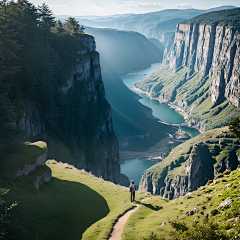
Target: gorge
point(191, 82)
point(68, 120)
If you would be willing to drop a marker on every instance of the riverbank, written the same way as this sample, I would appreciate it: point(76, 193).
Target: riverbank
point(171, 105)
point(159, 151)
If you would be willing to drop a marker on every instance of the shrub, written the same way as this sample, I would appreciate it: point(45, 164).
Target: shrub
point(214, 212)
point(209, 182)
point(220, 175)
point(227, 172)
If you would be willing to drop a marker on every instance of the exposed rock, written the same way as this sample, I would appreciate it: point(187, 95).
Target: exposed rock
point(210, 50)
point(30, 120)
point(215, 181)
point(192, 211)
point(31, 167)
point(103, 139)
point(45, 177)
point(232, 220)
point(193, 167)
point(227, 202)
point(163, 223)
point(181, 135)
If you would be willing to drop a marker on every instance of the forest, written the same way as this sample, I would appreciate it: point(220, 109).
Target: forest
point(37, 56)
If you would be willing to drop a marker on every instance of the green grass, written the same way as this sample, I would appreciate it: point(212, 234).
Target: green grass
point(27, 154)
point(68, 205)
point(153, 212)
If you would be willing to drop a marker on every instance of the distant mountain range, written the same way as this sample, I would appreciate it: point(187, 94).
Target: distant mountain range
point(149, 24)
point(124, 50)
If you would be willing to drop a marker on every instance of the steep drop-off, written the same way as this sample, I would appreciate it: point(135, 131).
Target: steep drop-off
point(192, 164)
point(212, 48)
point(96, 149)
point(124, 50)
point(200, 77)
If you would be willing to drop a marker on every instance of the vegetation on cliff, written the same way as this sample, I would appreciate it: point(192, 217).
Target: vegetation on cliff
point(54, 67)
point(188, 91)
point(180, 171)
point(227, 18)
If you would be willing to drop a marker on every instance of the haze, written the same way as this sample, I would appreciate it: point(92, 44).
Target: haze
point(110, 7)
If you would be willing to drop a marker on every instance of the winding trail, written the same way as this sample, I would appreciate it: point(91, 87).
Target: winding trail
point(118, 227)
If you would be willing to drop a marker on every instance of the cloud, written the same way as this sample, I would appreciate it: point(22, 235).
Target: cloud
point(100, 4)
point(62, 5)
point(183, 6)
point(143, 5)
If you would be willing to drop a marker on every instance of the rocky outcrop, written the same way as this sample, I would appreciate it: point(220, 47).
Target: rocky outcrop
point(101, 157)
point(193, 168)
point(31, 167)
point(45, 177)
point(96, 149)
point(191, 164)
point(177, 186)
point(30, 121)
point(212, 50)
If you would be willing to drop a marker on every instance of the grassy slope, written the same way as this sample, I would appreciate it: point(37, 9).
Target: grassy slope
point(193, 91)
point(26, 154)
point(67, 205)
point(212, 152)
point(157, 210)
point(127, 122)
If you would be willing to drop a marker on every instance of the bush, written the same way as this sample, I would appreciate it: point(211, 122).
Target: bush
point(8, 229)
point(209, 182)
point(220, 175)
point(214, 212)
point(227, 172)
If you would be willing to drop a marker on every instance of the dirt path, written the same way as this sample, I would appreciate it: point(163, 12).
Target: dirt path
point(118, 227)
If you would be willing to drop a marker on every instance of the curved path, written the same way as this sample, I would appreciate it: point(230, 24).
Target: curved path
point(118, 227)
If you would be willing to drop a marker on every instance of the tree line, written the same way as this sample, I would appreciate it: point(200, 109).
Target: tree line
point(37, 56)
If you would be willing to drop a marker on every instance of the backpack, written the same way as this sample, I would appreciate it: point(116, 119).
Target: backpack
point(132, 188)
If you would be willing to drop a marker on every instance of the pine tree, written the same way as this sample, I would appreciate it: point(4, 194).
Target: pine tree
point(234, 126)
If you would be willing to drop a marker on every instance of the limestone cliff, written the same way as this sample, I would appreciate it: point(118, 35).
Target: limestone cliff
point(96, 150)
point(30, 121)
point(191, 164)
point(212, 50)
point(200, 71)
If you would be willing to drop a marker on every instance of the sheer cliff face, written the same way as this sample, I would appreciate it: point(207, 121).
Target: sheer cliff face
point(191, 164)
point(98, 150)
point(210, 50)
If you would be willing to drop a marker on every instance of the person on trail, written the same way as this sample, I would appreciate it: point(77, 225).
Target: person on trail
point(133, 188)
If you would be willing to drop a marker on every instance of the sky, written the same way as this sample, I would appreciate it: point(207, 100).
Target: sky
point(110, 7)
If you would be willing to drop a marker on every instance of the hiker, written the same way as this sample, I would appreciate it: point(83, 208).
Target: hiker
point(132, 190)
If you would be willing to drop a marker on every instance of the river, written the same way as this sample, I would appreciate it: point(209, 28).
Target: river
point(133, 168)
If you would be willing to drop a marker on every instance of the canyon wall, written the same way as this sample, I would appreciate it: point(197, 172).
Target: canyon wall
point(213, 51)
point(98, 154)
point(191, 164)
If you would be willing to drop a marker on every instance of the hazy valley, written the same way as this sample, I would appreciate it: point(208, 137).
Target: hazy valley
point(68, 120)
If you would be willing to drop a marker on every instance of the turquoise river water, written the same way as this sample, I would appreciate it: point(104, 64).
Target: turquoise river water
point(133, 168)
